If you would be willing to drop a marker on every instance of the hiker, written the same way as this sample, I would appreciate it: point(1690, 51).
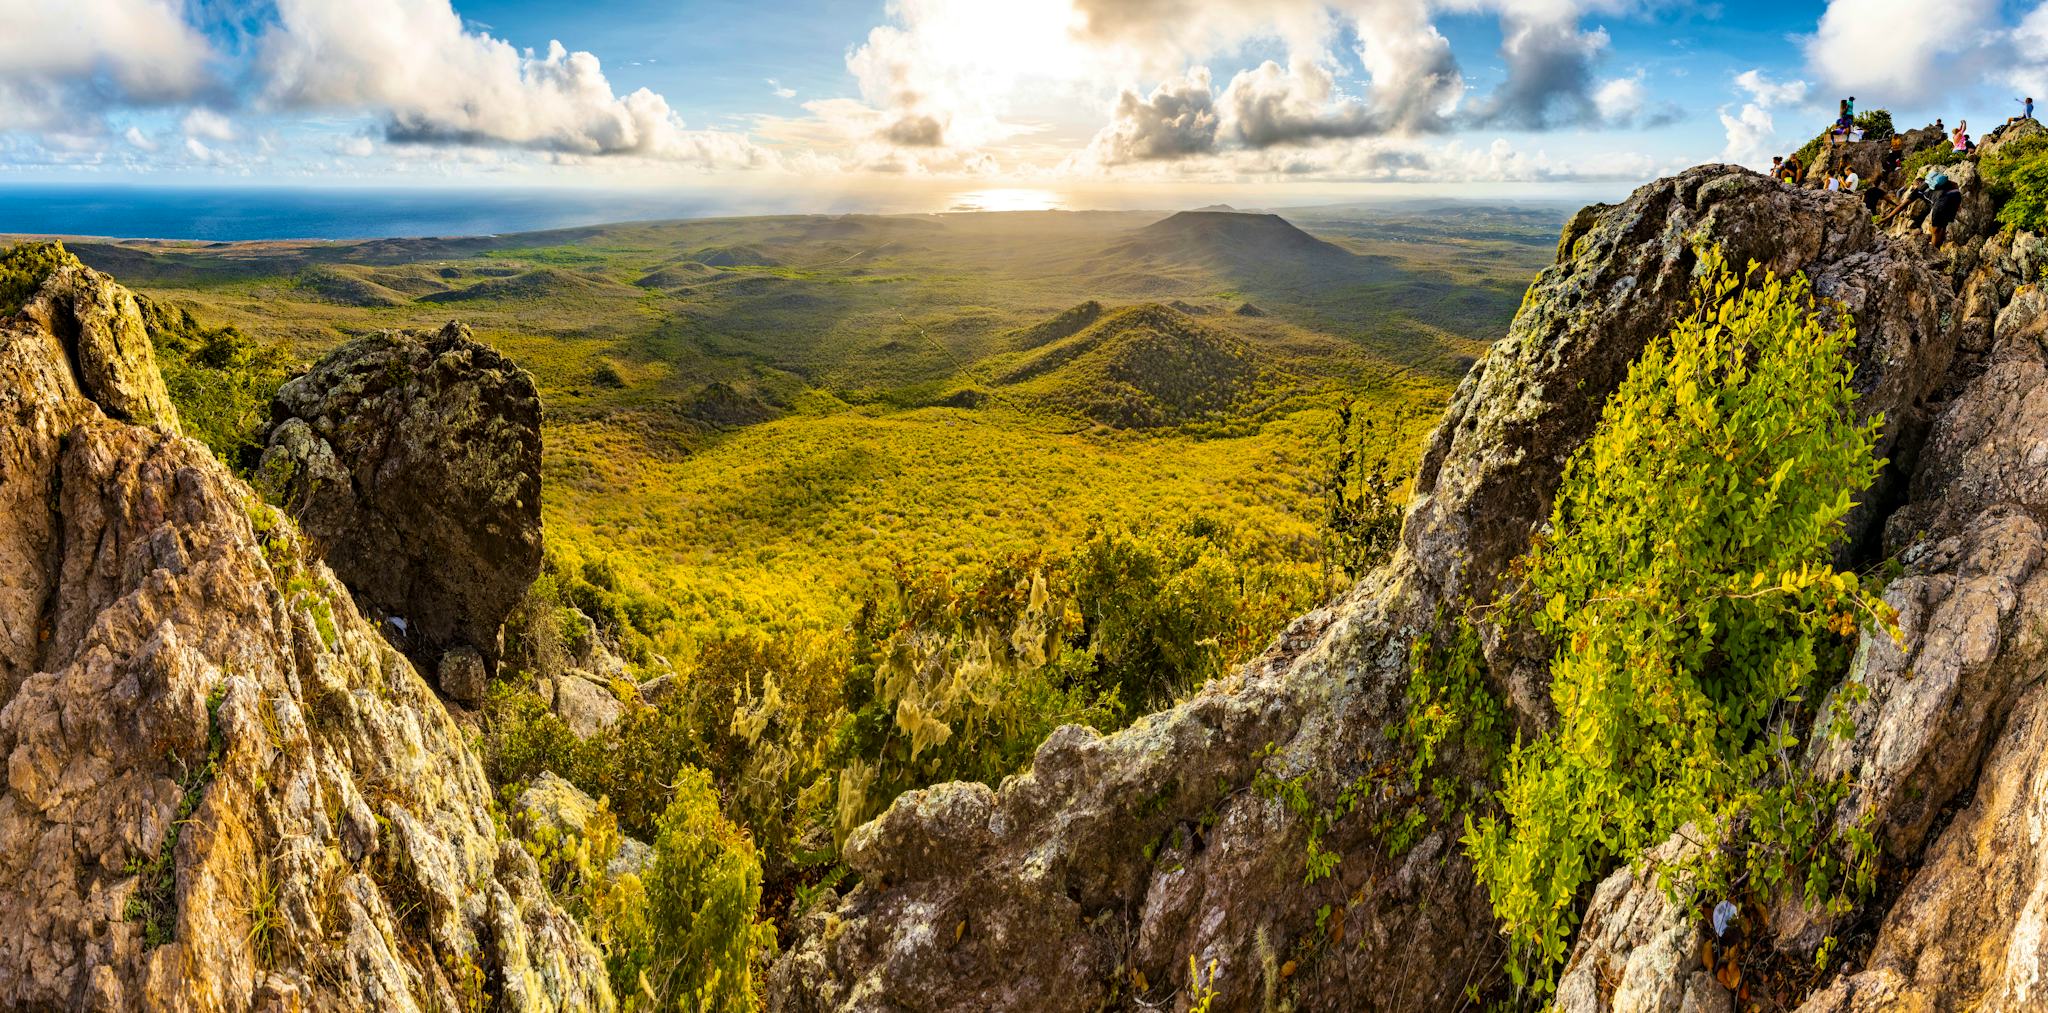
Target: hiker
point(1792, 169)
point(1947, 203)
point(1960, 140)
point(1917, 194)
point(1894, 157)
point(1834, 183)
point(1778, 167)
point(2026, 110)
point(1849, 182)
point(1849, 107)
point(1873, 199)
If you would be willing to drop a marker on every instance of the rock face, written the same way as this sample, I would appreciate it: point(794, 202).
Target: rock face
point(224, 791)
point(413, 462)
point(1091, 879)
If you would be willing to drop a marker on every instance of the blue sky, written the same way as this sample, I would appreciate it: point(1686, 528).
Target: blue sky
point(1296, 96)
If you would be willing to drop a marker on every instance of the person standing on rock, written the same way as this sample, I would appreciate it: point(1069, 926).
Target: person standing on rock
point(1947, 203)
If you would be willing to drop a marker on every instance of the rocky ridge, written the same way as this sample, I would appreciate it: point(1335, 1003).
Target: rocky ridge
point(224, 790)
point(1089, 880)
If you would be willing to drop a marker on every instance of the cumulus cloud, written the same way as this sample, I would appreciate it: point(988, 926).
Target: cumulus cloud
point(63, 64)
point(137, 139)
point(1904, 49)
point(437, 82)
point(1177, 120)
point(1266, 106)
point(776, 89)
point(1550, 72)
point(1752, 130)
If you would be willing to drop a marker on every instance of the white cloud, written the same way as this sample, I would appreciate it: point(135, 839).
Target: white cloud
point(1266, 106)
point(1905, 50)
point(1752, 131)
point(62, 64)
point(438, 83)
point(208, 125)
point(775, 88)
point(136, 138)
point(1177, 120)
point(1765, 92)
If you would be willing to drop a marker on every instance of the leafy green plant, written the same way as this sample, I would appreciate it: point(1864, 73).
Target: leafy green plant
point(1361, 518)
point(2017, 175)
point(22, 270)
point(701, 895)
point(1689, 590)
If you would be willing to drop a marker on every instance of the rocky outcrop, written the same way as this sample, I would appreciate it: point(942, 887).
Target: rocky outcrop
point(223, 789)
point(412, 461)
point(1090, 879)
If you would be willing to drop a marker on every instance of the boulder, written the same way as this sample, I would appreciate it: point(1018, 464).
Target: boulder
point(564, 809)
point(412, 460)
point(461, 676)
point(224, 789)
point(585, 703)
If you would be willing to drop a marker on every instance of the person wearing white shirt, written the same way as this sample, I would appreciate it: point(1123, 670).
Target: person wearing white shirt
point(1834, 183)
point(1850, 182)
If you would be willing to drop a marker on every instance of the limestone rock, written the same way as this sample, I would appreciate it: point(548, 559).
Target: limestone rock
point(1638, 952)
point(412, 461)
point(224, 790)
point(100, 325)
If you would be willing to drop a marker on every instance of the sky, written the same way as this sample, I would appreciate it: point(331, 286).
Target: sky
point(1302, 97)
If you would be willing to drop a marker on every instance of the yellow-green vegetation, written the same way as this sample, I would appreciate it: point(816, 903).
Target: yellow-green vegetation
point(1697, 618)
point(679, 933)
point(22, 270)
point(2017, 175)
point(220, 381)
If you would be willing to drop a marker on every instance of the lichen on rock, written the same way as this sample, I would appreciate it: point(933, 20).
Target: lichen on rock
point(412, 462)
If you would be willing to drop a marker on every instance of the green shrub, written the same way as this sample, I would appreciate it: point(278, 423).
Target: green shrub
point(2017, 175)
point(701, 894)
point(1920, 161)
point(22, 270)
point(1689, 591)
point(221, 382)
point(1361, 517)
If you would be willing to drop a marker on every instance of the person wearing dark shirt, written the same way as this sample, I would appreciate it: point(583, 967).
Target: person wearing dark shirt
point(1947, 202)
point(1873, 197)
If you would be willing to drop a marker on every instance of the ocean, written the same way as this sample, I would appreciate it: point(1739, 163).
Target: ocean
point(217, 214)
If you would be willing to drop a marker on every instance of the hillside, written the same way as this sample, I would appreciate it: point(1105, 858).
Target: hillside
point(1139, 367)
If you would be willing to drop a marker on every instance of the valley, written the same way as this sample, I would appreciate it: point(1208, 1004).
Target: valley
point(750, 419)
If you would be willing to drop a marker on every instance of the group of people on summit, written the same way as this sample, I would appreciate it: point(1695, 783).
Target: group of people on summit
point(1933, 198)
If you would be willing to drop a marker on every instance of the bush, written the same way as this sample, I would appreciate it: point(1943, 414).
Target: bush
point(1689, 589)
point(221, 381)
point(703, 941)
point(1918, 162)
point(22, 270)
point(2017, 175)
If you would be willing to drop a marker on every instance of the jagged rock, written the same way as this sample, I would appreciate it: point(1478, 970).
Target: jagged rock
point(1639, 952)
point(413, 461)
point(552, 802)
point(1865, 158)
point(1114, 858)
point(99, 323)
point(224, 790)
